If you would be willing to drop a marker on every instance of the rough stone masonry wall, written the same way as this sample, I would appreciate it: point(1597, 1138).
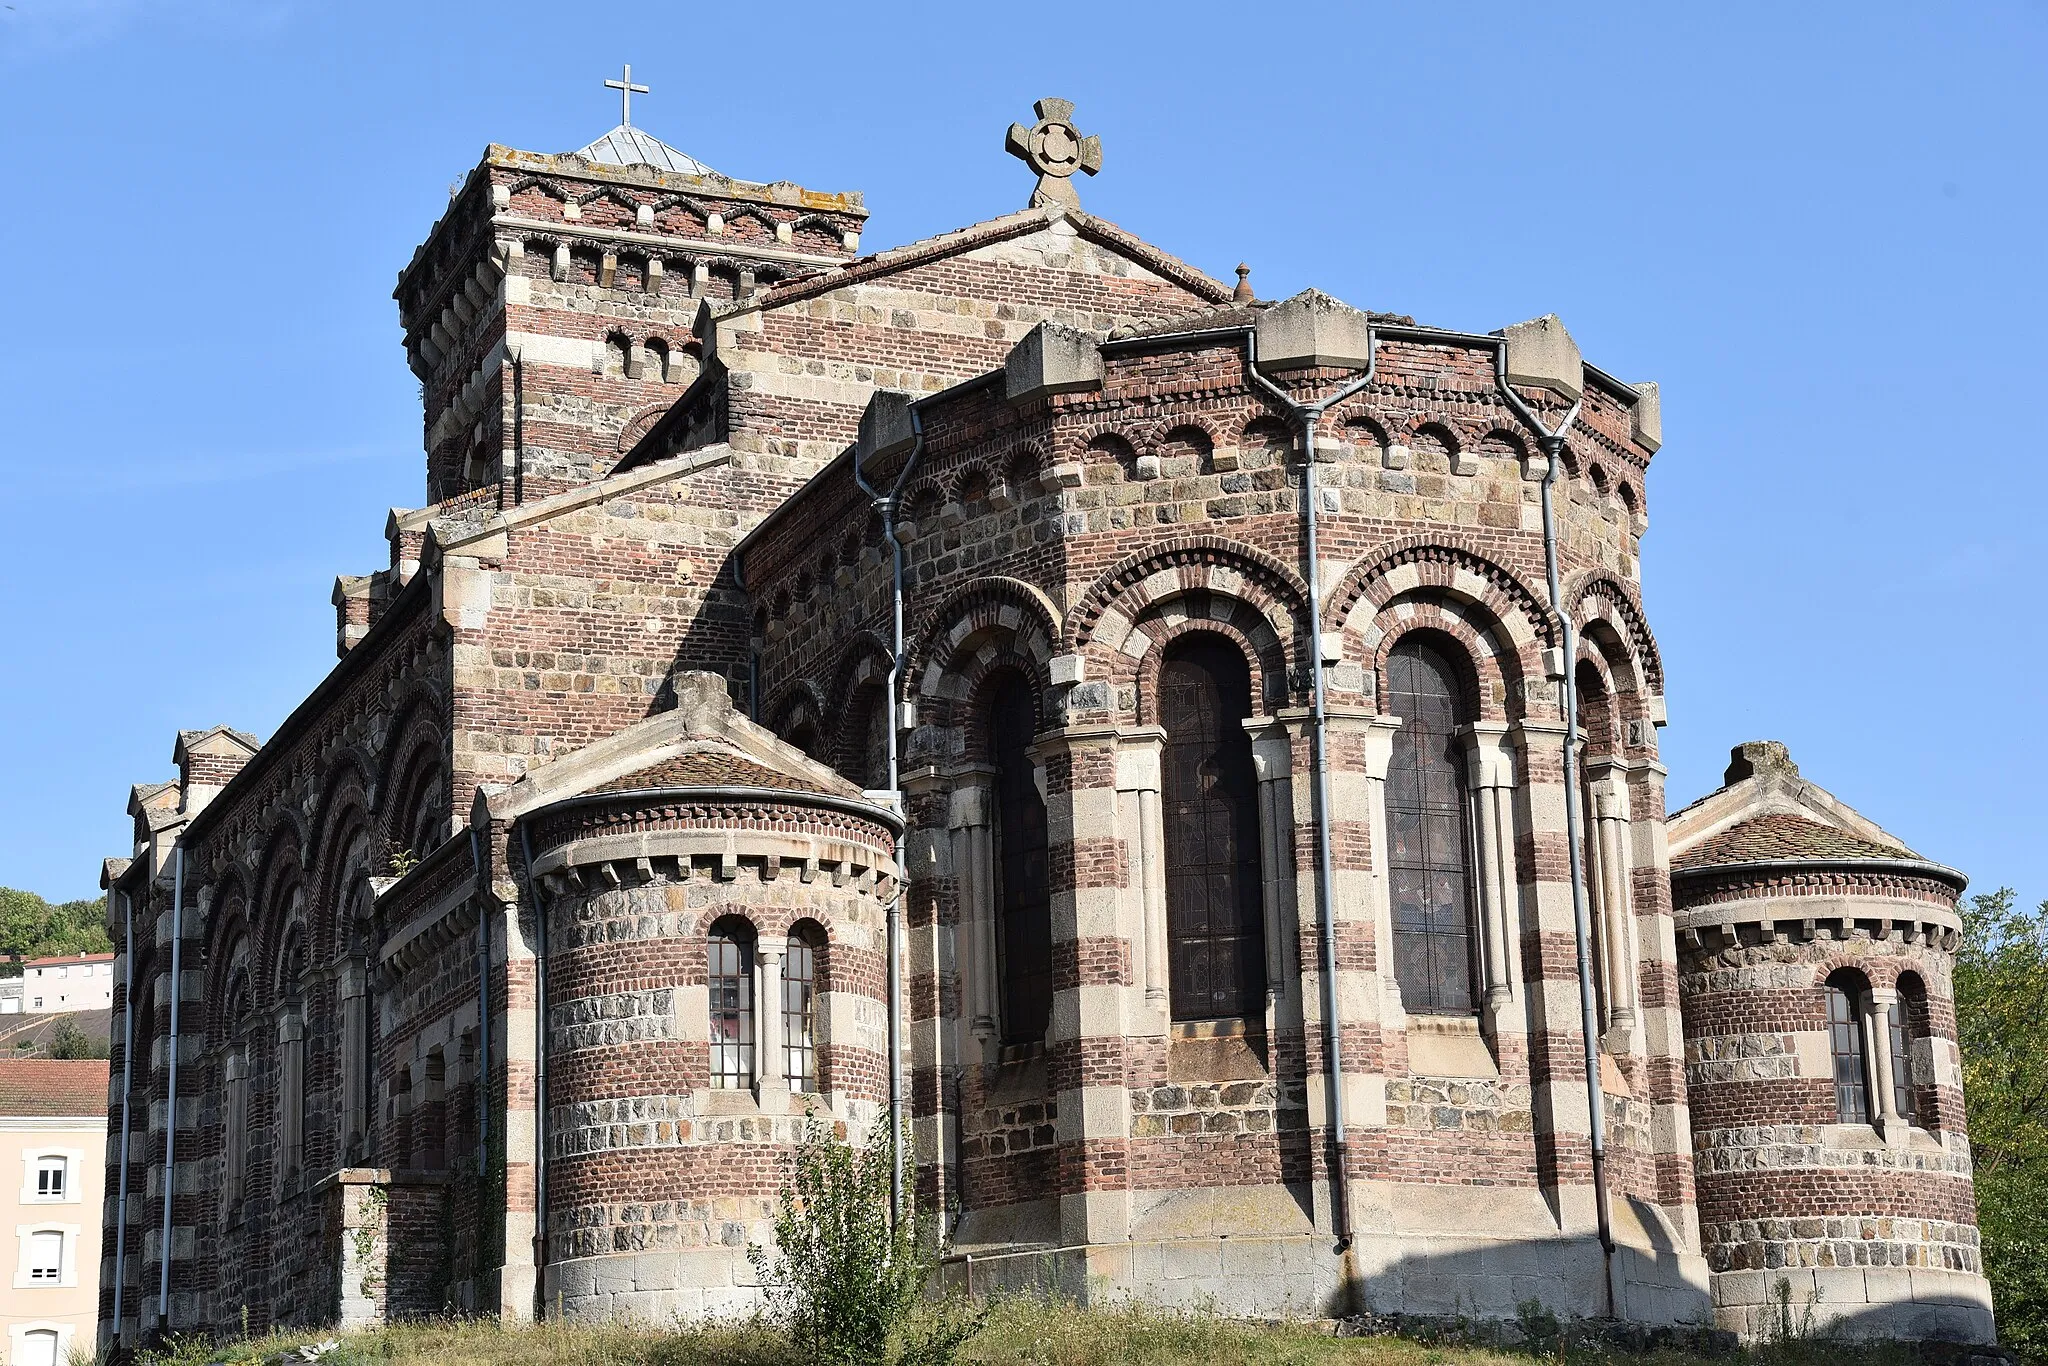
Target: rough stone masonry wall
point(571, 631)
point(803, 367)
point(1876, 1231)
point(657, 1181)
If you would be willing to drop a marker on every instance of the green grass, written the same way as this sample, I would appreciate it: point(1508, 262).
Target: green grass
point(1018, 1332)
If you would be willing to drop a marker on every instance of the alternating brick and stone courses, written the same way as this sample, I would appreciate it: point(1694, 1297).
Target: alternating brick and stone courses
point(627, 837)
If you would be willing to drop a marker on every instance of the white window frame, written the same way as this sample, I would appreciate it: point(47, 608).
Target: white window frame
point(67, 1257)
point(18, 1333)
point(74, 1168)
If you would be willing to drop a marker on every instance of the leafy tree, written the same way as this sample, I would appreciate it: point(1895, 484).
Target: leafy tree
point(70, 1043)
point(846, 1282)
point(2000, 972)
point(31, 927)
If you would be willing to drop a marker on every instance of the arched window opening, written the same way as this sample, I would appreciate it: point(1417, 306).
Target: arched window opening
point(1845, 993)
point(864, 738)
point(1023, 893)
point(1428, 861)
point(799, 1007)
point(1906, 1019)
point(731, 980)
point(1210, 795)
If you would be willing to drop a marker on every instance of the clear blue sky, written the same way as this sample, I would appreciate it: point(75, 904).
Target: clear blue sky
point(1820, 227)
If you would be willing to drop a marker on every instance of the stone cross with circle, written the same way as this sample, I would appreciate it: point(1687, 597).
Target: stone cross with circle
point(1055, 149)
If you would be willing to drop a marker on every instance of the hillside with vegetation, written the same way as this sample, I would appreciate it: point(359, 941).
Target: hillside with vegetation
point(31, 927)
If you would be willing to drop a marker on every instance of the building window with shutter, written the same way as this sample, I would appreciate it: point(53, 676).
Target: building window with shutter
point(52, 1178)
point(1216, 933)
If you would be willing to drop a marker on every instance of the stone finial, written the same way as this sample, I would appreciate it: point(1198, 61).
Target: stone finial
point(1243, 293)
point(1759, 759)
point(702, 698)
point(1055, 149)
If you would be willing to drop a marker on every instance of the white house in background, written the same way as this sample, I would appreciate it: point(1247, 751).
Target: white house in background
point(53, 1135)
point(53, 985)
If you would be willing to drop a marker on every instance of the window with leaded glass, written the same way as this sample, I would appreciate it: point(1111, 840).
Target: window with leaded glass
point(1429, 873)
point(1904, 1020)
point(799, 1008)
point(731, 983)
point(1845, 991)
point(1215, 923)
point(1023, 882)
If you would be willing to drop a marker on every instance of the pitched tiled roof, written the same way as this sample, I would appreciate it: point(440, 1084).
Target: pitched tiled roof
point(709, 768)
point(1782, 835)
point(44, 1087)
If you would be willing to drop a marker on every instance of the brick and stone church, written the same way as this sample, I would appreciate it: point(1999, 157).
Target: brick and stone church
point(1192, 757)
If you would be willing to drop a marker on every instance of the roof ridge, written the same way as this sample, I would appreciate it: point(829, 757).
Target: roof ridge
point(626, 145)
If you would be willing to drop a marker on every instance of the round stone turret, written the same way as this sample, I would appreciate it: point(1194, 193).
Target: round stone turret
point(1814, 959)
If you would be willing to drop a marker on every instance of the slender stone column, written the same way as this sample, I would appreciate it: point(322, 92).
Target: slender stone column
point(771, 1079)
point(969, 817)
point(1491, 777)
point(1273, 759)
point(355, 1066)
point(1877, 1027)
point(1379, 754)
point(1137, 780)
point(1609, 875)
point(291, 1044)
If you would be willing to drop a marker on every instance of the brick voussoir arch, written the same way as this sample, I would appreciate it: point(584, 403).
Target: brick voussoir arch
point(1243, 627)
point(1266, 583)
point(1617, 603)
point(1438, 561)
point(976, 607)
point(1480, 668)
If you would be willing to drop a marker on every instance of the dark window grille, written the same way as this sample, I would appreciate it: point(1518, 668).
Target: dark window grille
point(1845, 1040)
point(1215, 922)
point(799, 1006)
point(732, 1010)
point(1023, 879)
point(1428, 861)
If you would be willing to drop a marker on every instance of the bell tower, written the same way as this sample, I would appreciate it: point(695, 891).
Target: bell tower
point(547, 316)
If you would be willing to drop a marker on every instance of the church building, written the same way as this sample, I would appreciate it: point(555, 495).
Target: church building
point(1191, 758)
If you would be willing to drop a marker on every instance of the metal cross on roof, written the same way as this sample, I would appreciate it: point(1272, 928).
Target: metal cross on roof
point(1055, 149)
point(626, 90)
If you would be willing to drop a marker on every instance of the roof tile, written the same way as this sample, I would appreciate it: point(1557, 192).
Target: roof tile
point(1782, 835)
point(36, 1086)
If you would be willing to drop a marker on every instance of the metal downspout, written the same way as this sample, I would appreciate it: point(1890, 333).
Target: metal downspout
point(1310, 417)
point(540, 1077)
point(886, 504)
point(127, 1092)
point(163, 1290)
point(1552, 445)
point(483, 1009)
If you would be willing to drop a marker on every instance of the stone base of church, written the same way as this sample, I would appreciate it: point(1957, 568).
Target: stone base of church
point(1915, 1304)
point(1476, 1252)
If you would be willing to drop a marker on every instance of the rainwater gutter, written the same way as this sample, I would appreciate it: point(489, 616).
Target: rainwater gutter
point(887, 505)
point(163, 1291)
point(540, 1077)
point(127, 1092)
point(483, 1009)
point(1552, 444)
point(1310, 416)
